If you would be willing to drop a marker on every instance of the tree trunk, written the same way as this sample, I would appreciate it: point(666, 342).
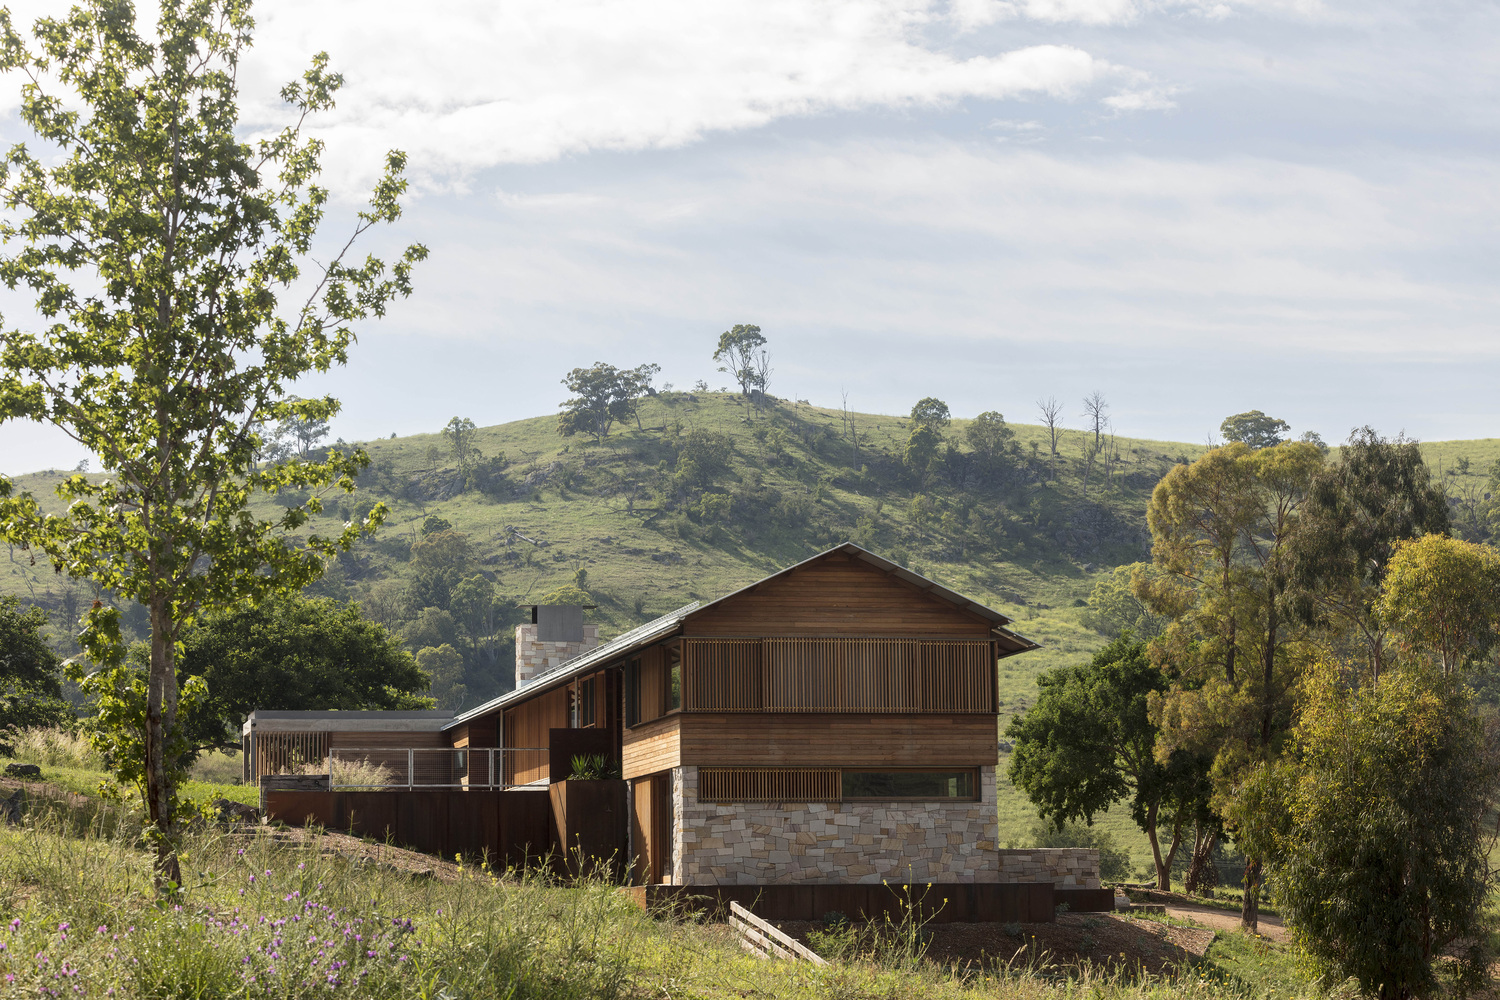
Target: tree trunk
point(161, 719)
point(1201, 874)
point(1250, 906)
point(1163, 866)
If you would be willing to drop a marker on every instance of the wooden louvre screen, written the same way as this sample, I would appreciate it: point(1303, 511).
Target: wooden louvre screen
point(933, 676)
point(768, 784)
point(287, 753)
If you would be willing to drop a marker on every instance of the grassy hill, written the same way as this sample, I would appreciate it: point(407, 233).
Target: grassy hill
point(706, 493)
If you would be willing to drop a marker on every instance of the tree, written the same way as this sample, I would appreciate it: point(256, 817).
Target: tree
point(445, 666)
point(1442, 596)
point(742, 355)
point(989, 437)
point(1223, 532)
point(1383, 855)
point(1050, 410)
point(1096, 412)
point(298, 435)
point(1357, 511)
point(460, 434)
point(30, 692)
point(439, 560)
point(1256, 430)
point(293, 653)
point(157, 245)
point(931, 412)
point(1089, 741)
point(1115, 607)
point(603, 395)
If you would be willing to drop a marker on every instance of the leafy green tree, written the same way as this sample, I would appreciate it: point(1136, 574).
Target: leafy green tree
point(1383, 857)
point(30, 688)
point(460, 435)
point(1114, 606)
point(1089, 742)
point(445, 666)
point(1223, 538)
point(292, 653)
point(1442, 596)
point(439, 560)
point(430, 627)
point(1358, 509)
point(931, 412)
point(297, 436)
point(1254, 429)
point(158, 246)
point(703, 457)
point(602, 396)
point(742, 355)
point(990, 438)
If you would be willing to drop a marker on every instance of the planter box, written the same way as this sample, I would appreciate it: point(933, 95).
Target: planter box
point(590, 820)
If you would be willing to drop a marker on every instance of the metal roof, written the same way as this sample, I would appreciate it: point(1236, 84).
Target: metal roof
point(641, 635)
point(264, 721)
point(648, 633)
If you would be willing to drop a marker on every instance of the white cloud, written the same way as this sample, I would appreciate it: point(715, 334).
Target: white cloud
point(474, 84)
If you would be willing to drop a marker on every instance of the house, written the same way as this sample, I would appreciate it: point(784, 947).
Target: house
point(833, 723)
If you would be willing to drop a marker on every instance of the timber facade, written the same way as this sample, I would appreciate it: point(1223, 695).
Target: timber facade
point(834, 723)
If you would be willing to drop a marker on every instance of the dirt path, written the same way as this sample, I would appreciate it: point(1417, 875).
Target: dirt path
point(1227, 920)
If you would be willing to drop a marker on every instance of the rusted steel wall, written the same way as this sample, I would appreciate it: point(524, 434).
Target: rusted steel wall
point(943, 903)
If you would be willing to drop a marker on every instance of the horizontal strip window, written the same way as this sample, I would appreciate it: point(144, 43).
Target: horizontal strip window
point(811, 784)
point(838, 674)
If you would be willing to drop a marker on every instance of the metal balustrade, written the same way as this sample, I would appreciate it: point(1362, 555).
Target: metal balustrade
point(388, 768)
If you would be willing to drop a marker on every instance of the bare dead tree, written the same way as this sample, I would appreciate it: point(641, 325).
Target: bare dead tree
point(1051, 413)
point(1095, 411)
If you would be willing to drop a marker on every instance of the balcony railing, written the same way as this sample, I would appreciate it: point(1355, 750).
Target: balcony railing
point(387, 768)
point(838, 674)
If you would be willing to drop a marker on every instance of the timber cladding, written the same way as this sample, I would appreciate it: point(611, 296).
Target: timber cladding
point(839, 595)
point(651, 747)
point(838, 674)
point(835, 740)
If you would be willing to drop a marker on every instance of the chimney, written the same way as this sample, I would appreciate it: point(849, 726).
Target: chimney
point(556, 634)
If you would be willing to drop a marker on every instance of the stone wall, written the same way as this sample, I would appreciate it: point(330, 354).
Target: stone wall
point(778, 843)
point(534, 657)
point(1070, 866)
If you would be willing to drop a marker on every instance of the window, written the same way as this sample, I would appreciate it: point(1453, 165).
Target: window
point(633, 692)
point(832, 784)
point(674, 677)
point(460, 763)
point(585, 718)
point(908, 784)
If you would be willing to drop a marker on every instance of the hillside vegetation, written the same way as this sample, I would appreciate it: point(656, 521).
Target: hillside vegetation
point(707, 492)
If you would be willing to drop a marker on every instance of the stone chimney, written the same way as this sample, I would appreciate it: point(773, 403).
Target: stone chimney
point(556, 634)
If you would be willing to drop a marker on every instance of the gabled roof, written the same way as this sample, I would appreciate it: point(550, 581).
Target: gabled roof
point(644, 635)
point(637, 638)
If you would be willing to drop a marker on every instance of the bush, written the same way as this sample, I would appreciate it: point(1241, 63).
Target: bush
point(1114, 860)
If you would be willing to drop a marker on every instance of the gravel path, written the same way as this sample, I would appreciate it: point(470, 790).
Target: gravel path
point(1227, 920)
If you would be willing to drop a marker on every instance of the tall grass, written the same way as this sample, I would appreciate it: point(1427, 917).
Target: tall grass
point(50, 746)
point(262, 918)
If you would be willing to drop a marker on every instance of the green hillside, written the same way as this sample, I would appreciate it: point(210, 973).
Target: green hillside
point(707, 493)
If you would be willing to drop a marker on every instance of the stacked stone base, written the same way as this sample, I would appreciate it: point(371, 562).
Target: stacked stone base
point(800, 843)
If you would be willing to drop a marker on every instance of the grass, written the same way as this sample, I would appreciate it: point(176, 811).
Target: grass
point(69, 762)
point(262, 918)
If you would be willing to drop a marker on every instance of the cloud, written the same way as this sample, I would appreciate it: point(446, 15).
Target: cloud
point(475, 84)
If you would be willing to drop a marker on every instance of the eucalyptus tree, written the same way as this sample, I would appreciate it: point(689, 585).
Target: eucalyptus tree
point(176, 302)
point(1223, 533)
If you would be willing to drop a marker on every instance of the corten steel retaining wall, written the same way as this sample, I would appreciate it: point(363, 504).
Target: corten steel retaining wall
point(942, 903)
point(509, 827)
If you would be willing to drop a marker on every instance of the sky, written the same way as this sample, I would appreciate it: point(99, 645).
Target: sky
point(1194, 207)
